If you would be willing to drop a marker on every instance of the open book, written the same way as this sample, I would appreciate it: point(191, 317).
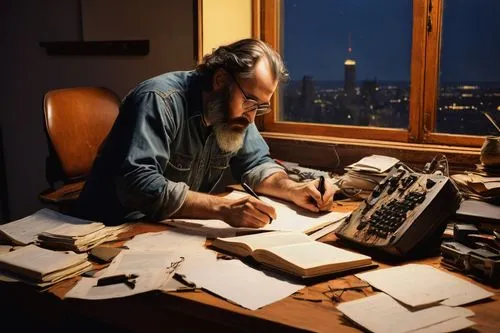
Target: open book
point(292, 252)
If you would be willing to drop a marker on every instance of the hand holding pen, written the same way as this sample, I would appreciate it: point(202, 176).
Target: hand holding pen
point(249, 211)
point(249, 190)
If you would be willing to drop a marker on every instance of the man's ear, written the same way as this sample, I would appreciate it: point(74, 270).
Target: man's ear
point(219, 79)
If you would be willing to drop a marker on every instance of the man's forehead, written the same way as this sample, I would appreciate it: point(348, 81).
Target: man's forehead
point(262, 84)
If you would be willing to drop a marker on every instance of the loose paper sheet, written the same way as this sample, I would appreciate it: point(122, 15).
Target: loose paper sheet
point(381, 313)
point(237, 282)
point(417, 285)
point(289, 218)
point(170, 240)
point(152, 269)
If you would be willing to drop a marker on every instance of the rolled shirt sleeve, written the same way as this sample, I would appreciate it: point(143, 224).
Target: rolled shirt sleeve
point(253, 162)
point(140, 182)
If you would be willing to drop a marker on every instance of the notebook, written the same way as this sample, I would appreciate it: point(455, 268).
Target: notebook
point(292, 252)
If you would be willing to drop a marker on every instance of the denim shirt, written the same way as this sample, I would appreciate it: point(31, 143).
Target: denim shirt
point(158, 148)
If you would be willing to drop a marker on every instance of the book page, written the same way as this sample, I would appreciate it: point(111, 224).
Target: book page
point(381, 313)
point(313, 254)
point(416, 285)
point(267, 240)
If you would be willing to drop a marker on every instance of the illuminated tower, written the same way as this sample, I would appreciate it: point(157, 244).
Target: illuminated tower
point(349, 72)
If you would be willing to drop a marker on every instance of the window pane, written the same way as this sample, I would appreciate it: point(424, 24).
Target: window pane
point(349, 61)
point(470, 68)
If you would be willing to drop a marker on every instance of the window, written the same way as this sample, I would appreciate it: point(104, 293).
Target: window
point(398, 70)
point(349, 65)
point(469, 82)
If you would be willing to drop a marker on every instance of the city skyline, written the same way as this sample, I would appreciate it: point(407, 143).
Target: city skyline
point(382, 48)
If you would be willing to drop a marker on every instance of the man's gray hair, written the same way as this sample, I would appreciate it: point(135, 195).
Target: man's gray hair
point(240, 58)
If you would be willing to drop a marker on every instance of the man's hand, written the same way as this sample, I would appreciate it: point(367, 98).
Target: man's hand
point(248, 212)
point(245, 212)
point(308, 196)
point(305, 195)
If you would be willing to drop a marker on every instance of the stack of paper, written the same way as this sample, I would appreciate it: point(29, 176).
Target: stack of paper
point(362, 177)
point(420, 298)
point(80, 237)
point(375, 164)
point(419, 285)
point(381, 313)
point(52, 229)
point(478, 187)
point(42, 267)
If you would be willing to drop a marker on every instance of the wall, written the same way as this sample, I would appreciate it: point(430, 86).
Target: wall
point(27, 72)
point(225, 21)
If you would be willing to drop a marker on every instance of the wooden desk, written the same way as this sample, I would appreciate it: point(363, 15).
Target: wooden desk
point(196, 311)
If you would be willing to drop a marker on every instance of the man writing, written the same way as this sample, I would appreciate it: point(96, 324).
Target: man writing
point(176, 134)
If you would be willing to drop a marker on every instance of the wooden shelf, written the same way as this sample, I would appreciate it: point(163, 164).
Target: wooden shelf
point(97, 48)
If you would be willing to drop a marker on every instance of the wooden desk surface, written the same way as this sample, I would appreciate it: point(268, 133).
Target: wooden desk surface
point(200, 310)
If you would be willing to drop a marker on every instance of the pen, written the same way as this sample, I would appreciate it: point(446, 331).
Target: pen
point(128, 279)
point(249, 190)
point(321, 186)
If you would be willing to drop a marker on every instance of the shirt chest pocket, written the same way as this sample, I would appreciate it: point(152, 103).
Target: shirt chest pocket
point(179, 168)
point(218, 164)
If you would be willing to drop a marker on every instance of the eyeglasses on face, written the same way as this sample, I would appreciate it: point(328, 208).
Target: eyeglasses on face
point(250, 104)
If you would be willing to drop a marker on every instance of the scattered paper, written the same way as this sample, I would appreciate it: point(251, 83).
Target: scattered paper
point(381, 313)
point(87, 288)
point(237, 282)
point(418, 285)
point(170, 240)
point(152, 268)
point(326, 230)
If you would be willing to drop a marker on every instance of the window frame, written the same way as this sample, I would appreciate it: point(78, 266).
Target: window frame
point(424, 78)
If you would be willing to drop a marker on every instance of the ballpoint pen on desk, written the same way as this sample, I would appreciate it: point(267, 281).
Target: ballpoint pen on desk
point(127, 279)
point(249, 190)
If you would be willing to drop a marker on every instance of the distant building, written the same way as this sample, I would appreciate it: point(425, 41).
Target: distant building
point(350, 77)
point(307, 95)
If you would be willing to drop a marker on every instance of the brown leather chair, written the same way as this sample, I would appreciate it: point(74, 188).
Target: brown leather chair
point(76, 122)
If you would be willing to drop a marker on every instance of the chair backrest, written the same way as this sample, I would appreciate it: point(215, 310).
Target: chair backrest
point(77, 120)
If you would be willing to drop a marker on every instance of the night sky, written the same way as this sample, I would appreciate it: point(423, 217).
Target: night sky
point(317, 33)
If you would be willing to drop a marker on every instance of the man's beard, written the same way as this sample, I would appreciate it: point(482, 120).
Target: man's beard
point(228, 139)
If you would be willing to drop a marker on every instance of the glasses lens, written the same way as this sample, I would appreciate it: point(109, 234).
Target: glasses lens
point(250, 105)
point(263, 110)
